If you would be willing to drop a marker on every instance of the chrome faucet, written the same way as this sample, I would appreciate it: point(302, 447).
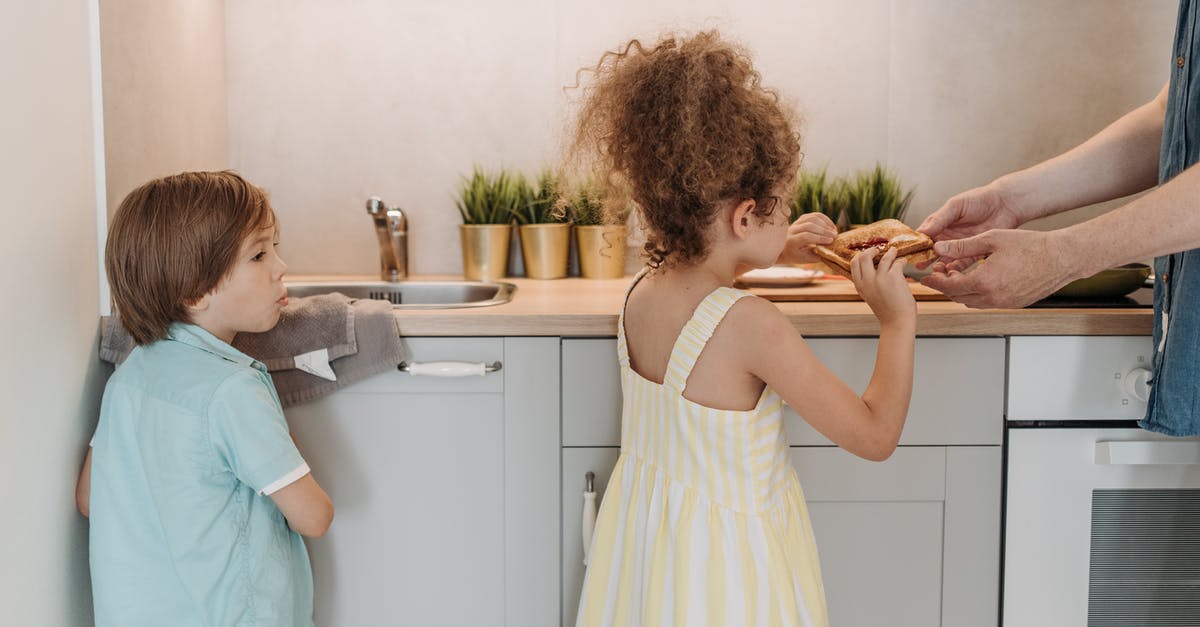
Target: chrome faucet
point(391, 225)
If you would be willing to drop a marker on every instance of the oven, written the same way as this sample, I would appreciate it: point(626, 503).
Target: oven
point(1101, 518)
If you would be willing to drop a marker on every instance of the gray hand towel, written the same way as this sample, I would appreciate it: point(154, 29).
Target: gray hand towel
point(305, 325)
point(360, 336)
point(379, 350)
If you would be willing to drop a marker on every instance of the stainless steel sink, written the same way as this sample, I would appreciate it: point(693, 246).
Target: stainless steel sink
point(412, 294)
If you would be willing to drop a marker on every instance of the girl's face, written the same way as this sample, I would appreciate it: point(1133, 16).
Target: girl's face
point(251, 296)
point(768, 233)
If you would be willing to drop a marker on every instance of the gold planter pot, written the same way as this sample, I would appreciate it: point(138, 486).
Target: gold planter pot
point(544, 249)
point(485, 250)
point(601, 251)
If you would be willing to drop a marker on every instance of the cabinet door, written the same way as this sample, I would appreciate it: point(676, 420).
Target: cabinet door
point(433, 482)
point(971, 561)
point(576, 463)
point(417, 484)
point(879, 532)
point(918, 534)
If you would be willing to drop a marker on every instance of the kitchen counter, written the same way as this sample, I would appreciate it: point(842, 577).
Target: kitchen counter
point(575, 307)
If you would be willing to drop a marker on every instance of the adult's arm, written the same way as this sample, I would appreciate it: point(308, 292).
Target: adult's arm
point(1164, 221)
point(1024, 266)
point(1120, 160)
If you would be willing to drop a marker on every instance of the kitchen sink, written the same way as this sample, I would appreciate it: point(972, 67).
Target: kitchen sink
point(412, 294)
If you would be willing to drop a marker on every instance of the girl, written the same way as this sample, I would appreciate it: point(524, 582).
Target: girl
point(704, 521)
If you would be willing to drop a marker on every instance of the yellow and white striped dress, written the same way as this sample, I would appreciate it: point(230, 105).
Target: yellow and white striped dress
point(703, 522)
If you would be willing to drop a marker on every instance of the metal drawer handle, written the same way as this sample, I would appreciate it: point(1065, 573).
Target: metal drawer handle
point(589, 514)
point(1148, 453)
point(449, 368)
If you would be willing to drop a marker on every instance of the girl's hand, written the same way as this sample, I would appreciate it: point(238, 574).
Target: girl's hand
point(807, 231)
point(884, 288)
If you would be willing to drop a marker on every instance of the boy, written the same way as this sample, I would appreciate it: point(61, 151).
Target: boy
point(196, 492)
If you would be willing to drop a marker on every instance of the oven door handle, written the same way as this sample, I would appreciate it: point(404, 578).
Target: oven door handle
point(1127, 453)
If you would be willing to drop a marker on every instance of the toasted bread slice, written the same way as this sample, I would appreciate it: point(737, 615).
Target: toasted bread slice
point(885, 234)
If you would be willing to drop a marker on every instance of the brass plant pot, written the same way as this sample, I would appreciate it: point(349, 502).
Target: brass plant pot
point(544, 249)
point(601, 251)
point(485, 250)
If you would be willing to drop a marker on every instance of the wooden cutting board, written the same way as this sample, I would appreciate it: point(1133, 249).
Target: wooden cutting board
point(834, 289)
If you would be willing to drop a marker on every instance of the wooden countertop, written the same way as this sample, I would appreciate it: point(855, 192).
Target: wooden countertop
point(588, 307)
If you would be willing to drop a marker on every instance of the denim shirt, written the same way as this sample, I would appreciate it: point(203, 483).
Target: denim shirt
point(1175, 387)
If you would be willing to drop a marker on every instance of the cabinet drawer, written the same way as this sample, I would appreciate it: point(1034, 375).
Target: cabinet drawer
point(591, 393)
point(426, 349)
point(958, 390)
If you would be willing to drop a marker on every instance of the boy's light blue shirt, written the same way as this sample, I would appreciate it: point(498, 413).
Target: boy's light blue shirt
point(191, 434)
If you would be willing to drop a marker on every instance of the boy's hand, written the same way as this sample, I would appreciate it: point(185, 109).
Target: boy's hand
point(883, 288)
point(807, 231)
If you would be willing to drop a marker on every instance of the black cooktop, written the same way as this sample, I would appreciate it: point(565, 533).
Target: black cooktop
point(1142, 297)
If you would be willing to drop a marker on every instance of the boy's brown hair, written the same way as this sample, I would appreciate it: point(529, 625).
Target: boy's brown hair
point(685, 125)
point(173, 240)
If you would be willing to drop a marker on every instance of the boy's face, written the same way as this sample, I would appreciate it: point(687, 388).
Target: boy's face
point(251, 296)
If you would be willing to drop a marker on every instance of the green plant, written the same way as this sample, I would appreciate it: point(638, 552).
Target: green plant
point(814, 192)
point(584, 203)
point(485, 199)
point(540, 206)
point(876, 195)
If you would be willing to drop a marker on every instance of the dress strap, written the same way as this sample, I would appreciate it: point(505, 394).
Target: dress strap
point(696, 333)
point(622, 348)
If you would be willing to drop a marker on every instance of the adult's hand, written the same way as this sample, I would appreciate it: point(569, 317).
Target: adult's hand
point(1020, 267)
point(807, 231)
point(970, 213)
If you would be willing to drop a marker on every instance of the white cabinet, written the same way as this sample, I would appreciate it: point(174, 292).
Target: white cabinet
point(910, 541)
point(444, 490)
point(576, 463)
point(918, 535)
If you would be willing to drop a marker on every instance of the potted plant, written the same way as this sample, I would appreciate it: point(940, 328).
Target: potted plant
point(815, 192)
point(876, 195)
point(486, 204)
point(544, 229)
point(600, 234)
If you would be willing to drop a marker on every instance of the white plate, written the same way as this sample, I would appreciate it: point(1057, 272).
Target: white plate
point(779, 276)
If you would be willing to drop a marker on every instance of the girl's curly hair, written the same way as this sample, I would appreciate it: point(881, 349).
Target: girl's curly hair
point(684, 126)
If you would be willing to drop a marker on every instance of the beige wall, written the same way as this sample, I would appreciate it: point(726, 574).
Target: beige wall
point(332, 102)
point(164, 90)
point(49, 373)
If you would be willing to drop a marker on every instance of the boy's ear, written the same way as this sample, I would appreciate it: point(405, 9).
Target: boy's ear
point(200, 304)
point(739, 218)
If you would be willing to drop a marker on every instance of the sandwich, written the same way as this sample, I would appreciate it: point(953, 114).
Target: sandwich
point(913, 246)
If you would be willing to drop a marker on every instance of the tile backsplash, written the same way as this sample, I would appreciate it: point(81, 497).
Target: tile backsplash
point(328, 103)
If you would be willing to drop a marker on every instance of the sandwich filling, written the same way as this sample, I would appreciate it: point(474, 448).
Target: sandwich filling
point(880, 235)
